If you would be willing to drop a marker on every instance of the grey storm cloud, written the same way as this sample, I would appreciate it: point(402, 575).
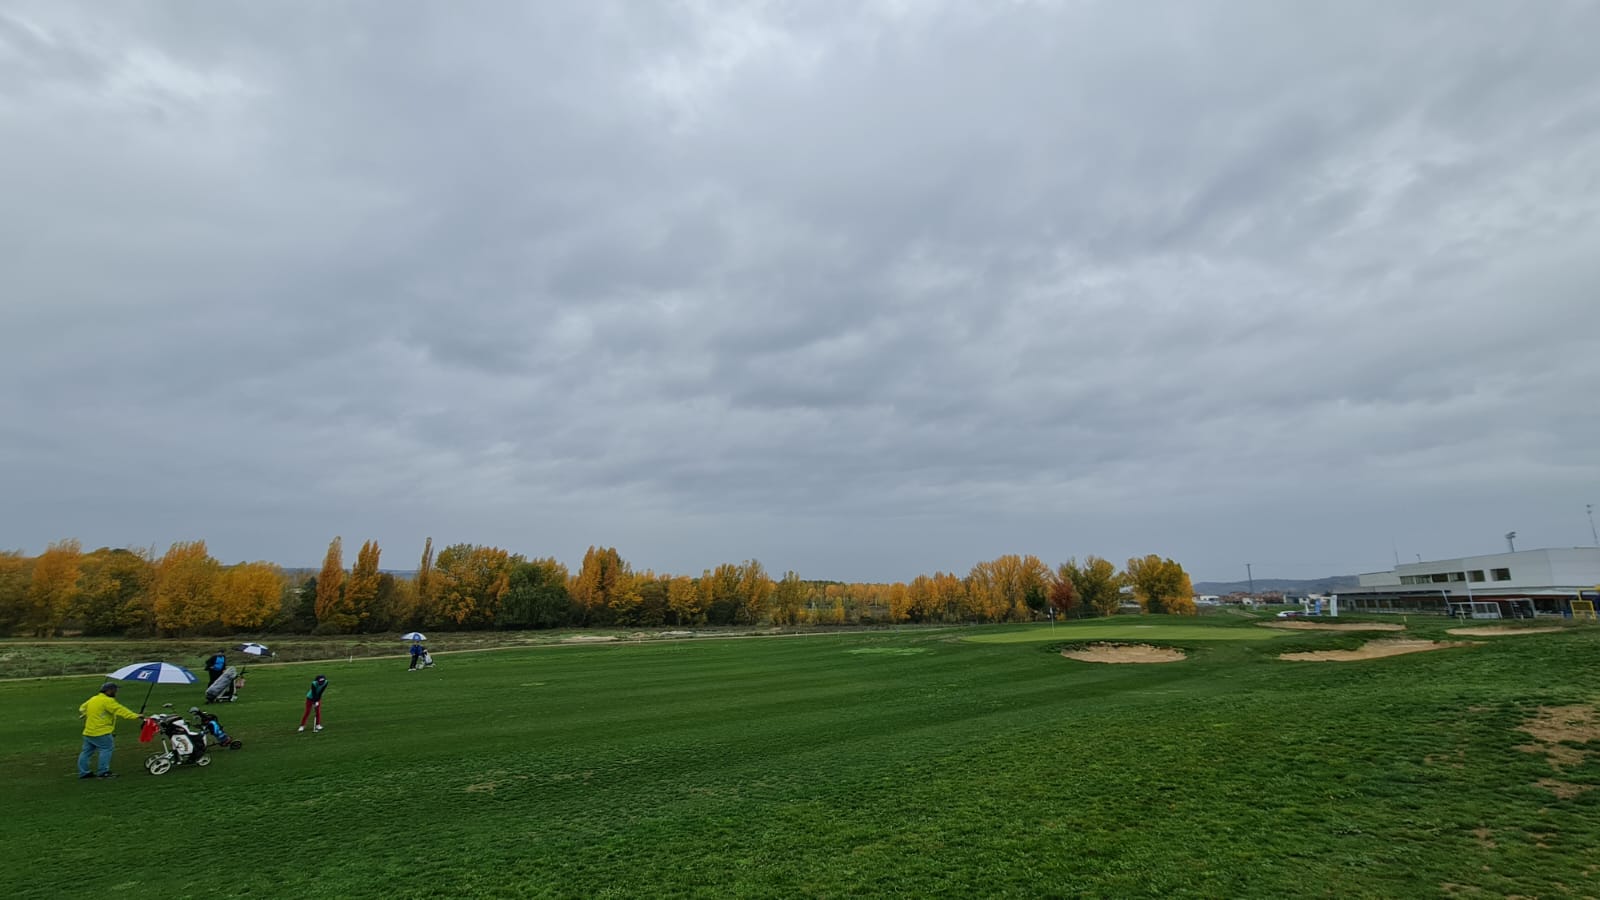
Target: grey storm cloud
point(863, 290)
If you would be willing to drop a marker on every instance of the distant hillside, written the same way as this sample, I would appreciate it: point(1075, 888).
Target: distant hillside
point(1283, 585)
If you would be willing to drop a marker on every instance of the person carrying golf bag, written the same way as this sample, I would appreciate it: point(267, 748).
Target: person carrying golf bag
point(319, 685)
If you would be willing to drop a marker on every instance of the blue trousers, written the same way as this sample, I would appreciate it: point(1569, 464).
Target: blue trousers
point(103, 744)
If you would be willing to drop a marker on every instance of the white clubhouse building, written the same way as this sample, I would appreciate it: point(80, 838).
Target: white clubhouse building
point(1521, 584)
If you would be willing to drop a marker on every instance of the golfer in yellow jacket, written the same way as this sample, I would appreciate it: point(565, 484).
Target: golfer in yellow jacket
point(99, 714)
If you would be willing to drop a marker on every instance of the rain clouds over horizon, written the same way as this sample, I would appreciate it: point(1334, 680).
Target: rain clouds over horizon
point(863, 290)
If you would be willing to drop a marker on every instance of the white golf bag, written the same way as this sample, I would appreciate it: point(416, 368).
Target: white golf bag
point(181, 745)
point(226, 688)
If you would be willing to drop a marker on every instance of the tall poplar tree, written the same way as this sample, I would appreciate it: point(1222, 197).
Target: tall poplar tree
point(424, 583)
point(361, 590)
point(330, 589)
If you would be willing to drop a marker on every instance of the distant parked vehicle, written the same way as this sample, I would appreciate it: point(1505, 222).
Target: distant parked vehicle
point(1290, 614)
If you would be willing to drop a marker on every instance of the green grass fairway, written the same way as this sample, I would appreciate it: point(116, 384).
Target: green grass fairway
point(899, 763)
point(1156, 628)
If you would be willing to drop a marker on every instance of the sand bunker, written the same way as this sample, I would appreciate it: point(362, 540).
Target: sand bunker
point(1334, 626)
point(1504, 629)
point(1374, 650)
point(1124, 653)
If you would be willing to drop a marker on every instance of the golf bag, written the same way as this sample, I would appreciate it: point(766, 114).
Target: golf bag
point(181, 745)
point(211, 728)
point(427, 660)
point(226, 688)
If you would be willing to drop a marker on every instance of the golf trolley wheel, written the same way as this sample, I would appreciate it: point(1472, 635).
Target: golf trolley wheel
point(158, 765)
point(203, 761)
point(234, 745)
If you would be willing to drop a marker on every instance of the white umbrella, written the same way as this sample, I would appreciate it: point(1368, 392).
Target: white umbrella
point(253, 649)
point(154, 673)
point(414, 636)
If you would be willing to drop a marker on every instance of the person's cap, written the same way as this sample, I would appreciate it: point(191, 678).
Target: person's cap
point(321, 678)
point(109, 686)
point(194, 710)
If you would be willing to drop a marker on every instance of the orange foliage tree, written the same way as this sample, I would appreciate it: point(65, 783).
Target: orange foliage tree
point(468, 584)
point(361, 589)
point(53, 589)
point(250, 595)
point(330, 590)
point(184, 591)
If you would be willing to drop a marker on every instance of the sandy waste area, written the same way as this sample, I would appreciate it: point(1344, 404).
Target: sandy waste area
point(1374, 650)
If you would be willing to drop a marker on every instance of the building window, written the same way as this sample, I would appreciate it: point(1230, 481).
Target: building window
point(1440, 577)
point(1502, 574)
point(1458, 576)
point(1476, 574)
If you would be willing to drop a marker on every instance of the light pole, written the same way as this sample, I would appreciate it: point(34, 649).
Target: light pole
point(1589, 508)
point(1511, 540)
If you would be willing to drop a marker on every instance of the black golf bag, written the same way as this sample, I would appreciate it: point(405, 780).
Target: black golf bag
point(215, 736)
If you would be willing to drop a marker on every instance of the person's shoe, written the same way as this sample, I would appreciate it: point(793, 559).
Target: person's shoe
point(106, 775)
point(85, 775)
point(301, 728)
point(319, 727)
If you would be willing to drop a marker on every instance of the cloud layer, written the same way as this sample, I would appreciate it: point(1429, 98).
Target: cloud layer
point(862, 290)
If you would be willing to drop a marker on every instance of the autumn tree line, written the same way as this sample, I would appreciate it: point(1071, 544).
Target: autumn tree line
point(186, 591)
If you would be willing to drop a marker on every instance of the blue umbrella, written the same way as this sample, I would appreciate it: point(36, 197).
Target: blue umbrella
point(414, 636)
point(154, 673)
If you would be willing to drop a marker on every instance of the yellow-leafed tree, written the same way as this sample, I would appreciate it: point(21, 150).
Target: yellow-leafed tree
point(950, 597)
point(424, 582)
point(603, 585)
point(14, 576)
point(1022, 583)
point(789, 600)
point(1096, 583)
point(755, 591)
point(53, 590)
point(1161, 586)
point(115, 592)
point(468, 584)
point(250, 594)
point(361, 589)
point(683, 600)
point(185, 587)
point(330, 590)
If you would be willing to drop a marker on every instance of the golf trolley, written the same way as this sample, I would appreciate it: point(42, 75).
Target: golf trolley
point(215, 736)
point(180, 745)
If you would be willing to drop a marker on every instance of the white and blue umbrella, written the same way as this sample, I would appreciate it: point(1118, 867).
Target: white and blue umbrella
point(154, 673)
point(254, 649)
point(414, 636)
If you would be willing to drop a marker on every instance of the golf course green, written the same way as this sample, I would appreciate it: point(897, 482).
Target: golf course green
point(911, 762)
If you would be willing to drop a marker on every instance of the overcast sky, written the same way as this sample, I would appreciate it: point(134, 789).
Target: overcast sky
point(864, 290)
